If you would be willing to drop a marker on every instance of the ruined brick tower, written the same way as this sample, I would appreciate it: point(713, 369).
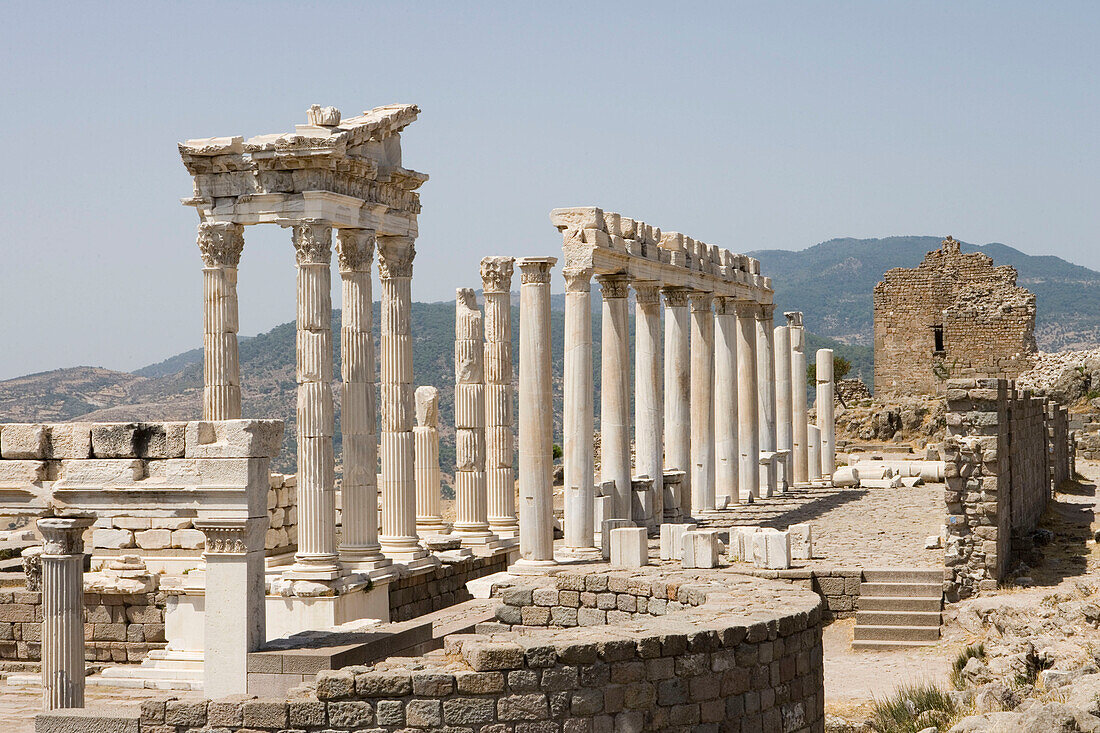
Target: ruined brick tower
point(953, 316)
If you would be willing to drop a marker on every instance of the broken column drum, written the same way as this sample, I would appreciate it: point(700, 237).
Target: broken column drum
point(825, 410)
point(702, 402)
point(496, 280)
point(220, 244)
point(648, 443)
point(471, 503)
point(429, 519)
point(615, 392)
point(63, 611)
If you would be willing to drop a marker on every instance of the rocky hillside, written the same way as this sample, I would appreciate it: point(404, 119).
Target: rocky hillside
point(832, 283)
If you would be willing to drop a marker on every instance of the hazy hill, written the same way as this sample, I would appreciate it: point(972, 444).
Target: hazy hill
point(832, 283)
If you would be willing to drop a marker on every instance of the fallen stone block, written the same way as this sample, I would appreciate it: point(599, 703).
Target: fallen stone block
point(911, 481)
point(882, 483)
point(700, 549)
point(603, 510)
point(802, 541)
point(846, 476)
point(672, 540)
point(740, 544)
point(772, 549)
point(606, 528)
point(629, 547)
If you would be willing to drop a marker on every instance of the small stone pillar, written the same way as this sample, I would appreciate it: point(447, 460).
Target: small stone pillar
point(63, 611)
point(648, 388)
point(316, 557)
point(825, 410)
point(395, 265)
point(765, 378)
point(220, 243)
point(726, 452)
point(471, 503)
point(748, 436)
point(677, 431)
point(429, 519)
point(615, 391)
point(580, 494)
point(784, 439)
point(702, 402)
point(235, 616)
point(798, 397)
point(536, 461)
point(813, 451)
point(500, 474)
point(359, 548)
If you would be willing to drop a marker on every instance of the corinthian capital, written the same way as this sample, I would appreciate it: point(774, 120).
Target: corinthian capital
point(496, 274)
point(647, 293)
point(675, 297)
point(614, 286)
point(395, 256)
point(578, 280)
point(312, 242)
point(355, 249)
point(63, 535)
point(767, 311)
point(701, 301)
point(220, 243)
point(535, 270)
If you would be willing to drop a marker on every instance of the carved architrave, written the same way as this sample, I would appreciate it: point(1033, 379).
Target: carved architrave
point(395, 256)
point(220, 243)
point(496, 274)
point(355, 249)
point(701, 301)
point(578, 280)
point(313, 242)
point(614, 286)
point(535, 270)
point(63, 535)
point(675, 297)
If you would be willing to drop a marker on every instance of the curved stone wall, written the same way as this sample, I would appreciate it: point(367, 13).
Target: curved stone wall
point(668, 651)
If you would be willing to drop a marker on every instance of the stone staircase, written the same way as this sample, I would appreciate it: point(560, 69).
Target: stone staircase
point(899, 608)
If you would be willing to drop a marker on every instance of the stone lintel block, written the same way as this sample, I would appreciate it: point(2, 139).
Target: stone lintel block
point(233, 439)
point(16, 474)
point(629, 547)
point(24, 441)
point(578, 217)
point(138, 440)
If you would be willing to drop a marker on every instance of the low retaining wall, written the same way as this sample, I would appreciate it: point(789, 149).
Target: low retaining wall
point(444, 586)
point(837, 587)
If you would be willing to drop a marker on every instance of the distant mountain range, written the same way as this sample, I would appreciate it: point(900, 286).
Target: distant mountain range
point(831, 283)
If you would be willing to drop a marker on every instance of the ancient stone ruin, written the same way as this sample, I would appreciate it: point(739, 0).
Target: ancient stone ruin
point(954, 316)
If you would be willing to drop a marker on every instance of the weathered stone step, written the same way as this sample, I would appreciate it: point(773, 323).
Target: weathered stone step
point(931, 576)
point(873, 646)
point(897, 633)
point(900, 590)
point(898, 618)
point(886, 603)
point(138, 671)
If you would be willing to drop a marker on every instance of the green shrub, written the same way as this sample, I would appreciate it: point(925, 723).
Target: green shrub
point(974, 651)
point(912, 708)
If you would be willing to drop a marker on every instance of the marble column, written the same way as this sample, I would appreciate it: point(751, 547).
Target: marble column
point(496, 280)
point(765, 378)
point(359, 548)
point(702, 402)
point(615, 391)
point(235, 617)
point(471, 503)
point(62, 646)
point(648, 393)
point(677, 430)
point(220, 243)
point(726, 452)
point(783, 427)
point(316, 557)
point(798, 395)
point(429, 519)
point(536, 419)
point(825, 408)
point(748, 397)
point(813, 452)
point(580, 495)
point(395, 265)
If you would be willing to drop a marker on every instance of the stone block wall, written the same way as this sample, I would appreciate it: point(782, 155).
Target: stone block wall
point(117, 627)
point(416, 595)
point(1000, 467)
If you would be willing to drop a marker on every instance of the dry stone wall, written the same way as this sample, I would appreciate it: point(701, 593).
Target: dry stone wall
point(1004, 452)
point(954, 316)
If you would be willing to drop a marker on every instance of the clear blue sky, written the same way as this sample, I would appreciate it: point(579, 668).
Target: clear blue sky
point(750, 125)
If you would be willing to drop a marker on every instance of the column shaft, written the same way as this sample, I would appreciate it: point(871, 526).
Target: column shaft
point(471, 502)
point(748, 433)
point(429, 519)
point(62, 646)
point(615, 392)
point(580, 495)
point(677, 432)
point(798, 396)
point(648, 395)
point(220, 244)
point(496, 279)
point(813, 452)
point(726, 452)
point(702, 403)
point(783, 426)
point(765, 378)
point(825, 411)
point(536, 461)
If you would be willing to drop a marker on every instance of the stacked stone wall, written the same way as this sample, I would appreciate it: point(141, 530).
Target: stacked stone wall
point(416, 595)
point(1004, 451)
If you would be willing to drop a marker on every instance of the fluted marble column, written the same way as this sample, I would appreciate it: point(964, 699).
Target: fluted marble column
point(615, 391)
point(726, 452)
point(471, 503)
point(316, 557)
point(765, 378)
point(220, 244)
point(702, 402)
point(429, 519)
point(798, 396)
point(678, 390)
point(748, 434)
point(496, 280)
point(825, 410)
point(395, 264)
point(359, 548)
point(62, 611)
point(648, 393)
point(783, 427)
point(580, 496)
point(536, 419)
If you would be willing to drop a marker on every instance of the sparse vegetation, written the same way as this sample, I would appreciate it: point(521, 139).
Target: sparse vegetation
point(974, 651)
point(913, 708)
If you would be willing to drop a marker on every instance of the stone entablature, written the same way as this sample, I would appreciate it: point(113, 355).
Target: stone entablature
point(954, 316)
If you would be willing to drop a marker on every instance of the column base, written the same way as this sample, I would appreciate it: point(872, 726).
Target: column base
point(403, 549)
point(578, 554)
point(314, 567)
point(363, 559)
point(504, 528)
point(535, 567)
point(431, 526)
